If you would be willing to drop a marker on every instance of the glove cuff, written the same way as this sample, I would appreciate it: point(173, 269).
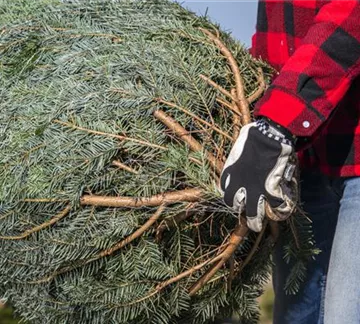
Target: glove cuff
point(275, 131)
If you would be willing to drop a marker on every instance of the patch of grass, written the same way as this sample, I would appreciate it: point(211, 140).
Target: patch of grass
point(6, 315)
point(266, 305)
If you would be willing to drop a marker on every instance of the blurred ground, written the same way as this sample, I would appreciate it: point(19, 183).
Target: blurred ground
point(266, 305)
point(6, 316)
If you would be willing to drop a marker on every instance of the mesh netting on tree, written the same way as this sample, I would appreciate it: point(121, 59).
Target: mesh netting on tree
point(115, 121)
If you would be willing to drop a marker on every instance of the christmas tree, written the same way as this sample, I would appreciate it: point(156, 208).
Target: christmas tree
point(115, 120)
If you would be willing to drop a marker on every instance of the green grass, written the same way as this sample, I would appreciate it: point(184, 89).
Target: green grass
point(6, 315)
point(266, 305)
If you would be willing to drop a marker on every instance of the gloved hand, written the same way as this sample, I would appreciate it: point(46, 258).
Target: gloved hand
point(260, 168)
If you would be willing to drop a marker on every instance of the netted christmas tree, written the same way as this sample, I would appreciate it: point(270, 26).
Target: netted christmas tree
point(115, 120)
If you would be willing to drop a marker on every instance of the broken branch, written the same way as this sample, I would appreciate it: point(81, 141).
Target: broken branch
point(190, 195)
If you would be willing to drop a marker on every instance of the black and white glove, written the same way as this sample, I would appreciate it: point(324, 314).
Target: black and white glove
point(259, 169)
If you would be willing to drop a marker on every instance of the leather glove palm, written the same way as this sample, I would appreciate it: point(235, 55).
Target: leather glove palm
point(260, 168)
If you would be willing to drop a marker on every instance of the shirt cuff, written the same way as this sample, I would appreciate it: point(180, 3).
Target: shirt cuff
point(289, 111)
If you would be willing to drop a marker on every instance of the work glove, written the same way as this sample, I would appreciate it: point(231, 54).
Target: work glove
point(261, 168)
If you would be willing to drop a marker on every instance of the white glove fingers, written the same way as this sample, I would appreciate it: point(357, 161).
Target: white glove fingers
point(272, 183)
point(240, 201)
point(237, 148)
point(255, 223)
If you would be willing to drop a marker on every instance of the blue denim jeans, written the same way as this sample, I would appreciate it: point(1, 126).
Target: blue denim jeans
point(333, 204)
point(342, 298)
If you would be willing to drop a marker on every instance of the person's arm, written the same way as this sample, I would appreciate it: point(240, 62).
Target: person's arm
point(317, 76)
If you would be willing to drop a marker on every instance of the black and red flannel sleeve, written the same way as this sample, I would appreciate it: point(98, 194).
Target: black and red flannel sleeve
point(317, 76)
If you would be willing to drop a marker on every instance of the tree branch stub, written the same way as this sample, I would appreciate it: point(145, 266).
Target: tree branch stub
point(188, 195)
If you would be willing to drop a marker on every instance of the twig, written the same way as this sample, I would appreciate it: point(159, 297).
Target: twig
point(199, 245)
point(33, 149)
point(134, 235)
point(236, 238)
point(113, 37)
point(274, 230)
point(170, 281)
point(215, 250)
point(44, 200)
point(136, 301)
point(231, 273)
point(229, 106)
point(206, 134)
point(124, 167)
point(38, 228)
point(149, 180)
point(236, 119)
point(61, 242)
point(220, 153)
point(254, 247)
point(242, 101)
point(174, 221)
point(260, 90)
point(188, 139)
point(196, 161)
point(208, 138)
point(120, 137)
point(182, 275)
point(188, 272)
point(189, 195)
point(218, 87)
point(294, 232)
point(214, 128)
point(119, 90)
point(39, 28)
point(7, 214)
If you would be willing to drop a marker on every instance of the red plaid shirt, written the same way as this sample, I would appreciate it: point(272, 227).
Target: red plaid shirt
point(315, 44)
